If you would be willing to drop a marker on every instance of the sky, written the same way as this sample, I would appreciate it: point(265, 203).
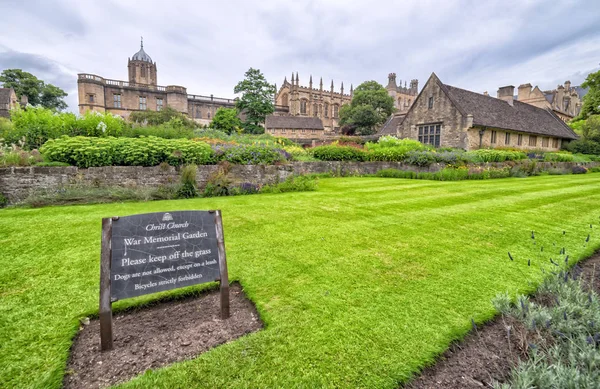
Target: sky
point(207, 46)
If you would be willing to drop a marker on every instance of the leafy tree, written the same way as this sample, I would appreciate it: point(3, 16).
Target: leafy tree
point(256, 102)
point(166, 115)
point(226, 120)
point(591, 101)
point(36, 90)
point(370, 107)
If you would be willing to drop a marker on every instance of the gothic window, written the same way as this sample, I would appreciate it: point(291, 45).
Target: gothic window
point(507, 138)
point(159, 104)
point(430, 134)
point(117, 100)
point(326, 110)
point(566, 104)
point(143, 71)
point(315, 110)
point(430, 103)
point(143, 105)
point(284, 99)
point(303, 107)
point(532, 140)
point(336, 110)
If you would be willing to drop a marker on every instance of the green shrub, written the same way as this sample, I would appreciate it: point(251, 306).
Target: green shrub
point(249, 154)
point(339, 153)
point(151, 151)
point(3, 201)
point(292, 184)
point(491, 155)
point(419, 158)
point(188, 187)
point(558, 157)
point(161, 131)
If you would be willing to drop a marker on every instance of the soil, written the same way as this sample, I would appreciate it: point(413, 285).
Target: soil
point(156, 336)
point(488, 354)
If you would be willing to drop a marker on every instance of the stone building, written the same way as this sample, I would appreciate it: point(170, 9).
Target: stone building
point(8, 101)
point(403, 96)
point(294, 127)
point(446, 116)
point(142, 93)
point(565, 101)
point(313, 102)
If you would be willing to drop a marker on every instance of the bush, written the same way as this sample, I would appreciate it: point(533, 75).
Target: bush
point(339, 153)
point(491, 155)
point(558, 157)
point(292, 184)
point(87, 152)
point(188, 187)
point(583, 146)
point(3, 201)
point(578, 170)
point(163, 131)
point(419, 158)
point(250, 155)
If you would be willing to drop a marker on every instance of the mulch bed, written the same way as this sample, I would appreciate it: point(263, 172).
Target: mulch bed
point(156, 336)
point(488, 354)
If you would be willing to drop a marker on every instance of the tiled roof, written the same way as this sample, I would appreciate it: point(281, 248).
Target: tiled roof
point(390, 126)
point(492, 112)
point(293, 122)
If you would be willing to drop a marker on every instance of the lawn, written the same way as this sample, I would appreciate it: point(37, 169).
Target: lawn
point(360, 283)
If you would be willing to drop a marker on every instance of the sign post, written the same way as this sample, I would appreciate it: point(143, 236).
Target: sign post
point(154, 252)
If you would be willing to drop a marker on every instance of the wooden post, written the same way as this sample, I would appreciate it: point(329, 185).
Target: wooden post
point(106, 333)
point(224, 281)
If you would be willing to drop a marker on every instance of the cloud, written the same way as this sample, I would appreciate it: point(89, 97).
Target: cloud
point(207, 46)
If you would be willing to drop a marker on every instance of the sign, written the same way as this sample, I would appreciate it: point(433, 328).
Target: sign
point(154, 252)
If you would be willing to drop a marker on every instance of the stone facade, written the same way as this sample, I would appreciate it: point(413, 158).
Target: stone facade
point(313, 102)
point(565, 100)
point(8, 101)
point(142, 93)
point(16, 183)
point(445, 116)
point(295, 127)
point(403, 96)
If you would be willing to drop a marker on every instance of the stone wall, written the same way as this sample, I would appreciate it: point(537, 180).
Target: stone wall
point(16, 183)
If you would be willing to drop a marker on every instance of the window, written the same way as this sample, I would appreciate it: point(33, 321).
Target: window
point(520, 140)
point(117, 101)
point(545, 142)
point(143, 105)
point(91, 98)
point(507, 138)
point(303, 107)
point(430, 134)
point(198, 113)
point(493, 139)
point(208, 115)
point(314, 131)
point(532, 140)
point(555, 143)
point(315, 110)
point(284, 99)
point(326, 110)
point(283, 130)
point(303, 130)
point(272, 131)
point(336, 110)
point(430, 103)
point(143, 71)
point(159, 104)
point(293, 131)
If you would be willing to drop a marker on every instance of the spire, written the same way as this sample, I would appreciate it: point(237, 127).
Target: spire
point(331, 86)
point(142, 42)
point(351, 90)
point(284, 79)
point(292, 78)
point(321, 83)
point(310, 82)
point(297, 82)
point(342, 88)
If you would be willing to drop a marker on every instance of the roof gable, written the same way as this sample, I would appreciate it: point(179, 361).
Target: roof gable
point(293, 122)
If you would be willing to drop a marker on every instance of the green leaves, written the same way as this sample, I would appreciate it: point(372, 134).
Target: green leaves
point(371, 106)
point(36, 90)
point(226, 120)
point(257, 100)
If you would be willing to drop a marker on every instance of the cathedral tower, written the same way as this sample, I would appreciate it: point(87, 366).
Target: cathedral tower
point(141, 68)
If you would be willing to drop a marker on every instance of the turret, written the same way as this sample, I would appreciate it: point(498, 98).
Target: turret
point(141, 68)
point(391, 82)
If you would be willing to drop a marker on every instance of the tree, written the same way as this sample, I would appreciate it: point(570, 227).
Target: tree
point(36, 90)
point(591, 101)
point(256, 101)
point(226, 120)
point(371, 106)
point(164, 116)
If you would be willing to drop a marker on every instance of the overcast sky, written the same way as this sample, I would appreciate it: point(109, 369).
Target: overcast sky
point(207, 46)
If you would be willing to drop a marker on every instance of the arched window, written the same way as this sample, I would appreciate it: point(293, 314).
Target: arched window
point(336, 110)
point(284, 99)
point(303, 107)
point(315, 110)
point(326, 110)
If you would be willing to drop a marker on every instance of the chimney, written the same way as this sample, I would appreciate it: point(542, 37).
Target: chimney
point(485, 93)
point(391, 81)
point(24, 100)
point(524, 92)
point(568, 85)
point(506, 93)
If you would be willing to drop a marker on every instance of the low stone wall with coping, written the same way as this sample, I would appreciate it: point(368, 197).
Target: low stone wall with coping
point(16, 183)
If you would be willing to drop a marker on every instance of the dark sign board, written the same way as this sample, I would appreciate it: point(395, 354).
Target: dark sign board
point(154, 252)
point(160, 251)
